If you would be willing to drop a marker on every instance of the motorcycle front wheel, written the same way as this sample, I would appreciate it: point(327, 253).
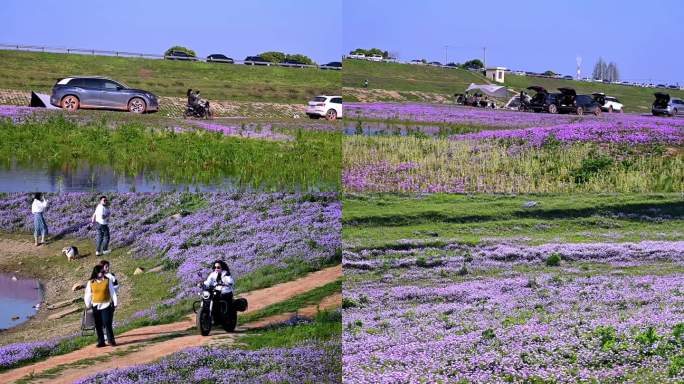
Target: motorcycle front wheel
point(204, 321)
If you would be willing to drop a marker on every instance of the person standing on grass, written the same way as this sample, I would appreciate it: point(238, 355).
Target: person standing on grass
point(115, 283)
point(101, 220)
point(39, 226)
point(100, 295)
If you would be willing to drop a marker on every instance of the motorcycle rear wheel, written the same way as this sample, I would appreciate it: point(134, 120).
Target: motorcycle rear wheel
point(230, 321)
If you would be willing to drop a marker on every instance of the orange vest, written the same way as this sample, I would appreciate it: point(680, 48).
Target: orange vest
point(100, 291)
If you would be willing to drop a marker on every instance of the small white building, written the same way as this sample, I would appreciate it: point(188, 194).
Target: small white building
point(495, 74)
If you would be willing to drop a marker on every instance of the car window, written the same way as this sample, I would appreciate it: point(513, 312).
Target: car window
point(319, 99)
point(110, 85)
point(336, 100)
point(77, 83)
point(92, 83)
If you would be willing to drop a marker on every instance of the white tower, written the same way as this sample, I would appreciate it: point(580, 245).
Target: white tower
point(579, 65)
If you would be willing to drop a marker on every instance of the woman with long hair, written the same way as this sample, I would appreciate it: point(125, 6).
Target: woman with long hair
point(100, 295)
point(38, 207)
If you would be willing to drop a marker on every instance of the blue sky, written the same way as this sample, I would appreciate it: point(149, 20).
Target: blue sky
point(645, 38)
point(236, 28)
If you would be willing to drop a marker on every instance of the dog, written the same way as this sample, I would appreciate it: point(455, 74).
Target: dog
point(70, 252)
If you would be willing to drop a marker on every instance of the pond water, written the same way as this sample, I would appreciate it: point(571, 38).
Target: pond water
point(380, 128)
point(102, 178)
point(18, 297)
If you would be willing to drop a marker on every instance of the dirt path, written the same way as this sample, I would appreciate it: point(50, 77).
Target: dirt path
point(136, 338)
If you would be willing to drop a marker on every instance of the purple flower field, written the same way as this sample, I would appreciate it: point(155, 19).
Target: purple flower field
point(535, 128)
point(609, 312)
point(308, 363)
point(249, 231)
point(15, 353)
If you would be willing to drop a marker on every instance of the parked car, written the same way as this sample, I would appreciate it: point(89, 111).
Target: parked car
point(543, 101)
point(180, 55)
point(89, 92)
point(219, 58)
point(332, 65)
point(256, 60)
point(374, 58)
point(359, 56)
point(436, 63)
point(608, 103)
point(666, 105)
point(292, 63)
point(329, 107)
point(571, 102)
point(567, 77)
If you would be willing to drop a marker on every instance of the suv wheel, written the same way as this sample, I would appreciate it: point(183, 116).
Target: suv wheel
point(610, 109)
point(580, 111)
point(137, 105)
point(674, 112)
point(70, 103)
point(598, 112)
point(331, 114)
point(553, 108)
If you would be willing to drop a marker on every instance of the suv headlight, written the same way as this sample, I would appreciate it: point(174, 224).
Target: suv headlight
point(206, 294)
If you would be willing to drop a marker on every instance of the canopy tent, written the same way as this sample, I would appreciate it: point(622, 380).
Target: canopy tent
point(489, 89)
point(41, 100)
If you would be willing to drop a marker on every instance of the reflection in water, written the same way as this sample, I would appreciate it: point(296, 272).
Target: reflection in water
point(18, 298)
point(102, 178)
point(381, 128)
point(86, 177)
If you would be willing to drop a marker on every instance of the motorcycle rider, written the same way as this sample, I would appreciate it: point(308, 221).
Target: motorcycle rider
point(221, 276)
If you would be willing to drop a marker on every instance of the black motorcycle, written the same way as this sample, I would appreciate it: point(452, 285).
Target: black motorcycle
point(213, 310)
point(200, 110)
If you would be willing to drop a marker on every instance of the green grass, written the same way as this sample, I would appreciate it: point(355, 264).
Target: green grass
point(407, 77)
point(311, 161)
point(490, 167)
point(380, 220)
point(311, 297)
point(326, 326)
point(39, 71)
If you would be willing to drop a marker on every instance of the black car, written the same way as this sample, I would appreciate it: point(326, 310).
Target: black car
point(567, 77)
point(180, 55)
point(256, 60)
point(292, 63)
point(332, 65)
point(219, 58)
point(571, 102)
point(543, 101)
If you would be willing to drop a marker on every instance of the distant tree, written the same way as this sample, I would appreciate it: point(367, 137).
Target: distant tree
point(473, 64)
point(612, 72)
point(301, 58)
point(605, 71)
point(549, 73)
point(273, 56)
point(370, 52)
point(423, 61)
point(179, 48)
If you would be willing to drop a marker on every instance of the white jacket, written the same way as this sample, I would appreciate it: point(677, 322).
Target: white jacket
point(88, 298)
point(38, 206)
point(226, 280)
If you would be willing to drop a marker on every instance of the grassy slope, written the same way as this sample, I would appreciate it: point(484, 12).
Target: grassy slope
point(407, 77)
point(381, 220)
point(39, 71)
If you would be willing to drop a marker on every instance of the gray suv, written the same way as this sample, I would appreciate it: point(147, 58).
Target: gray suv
point(666, 105)
point(72, 93)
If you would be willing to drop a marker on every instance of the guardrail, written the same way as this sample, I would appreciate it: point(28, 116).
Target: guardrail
point(99, 52)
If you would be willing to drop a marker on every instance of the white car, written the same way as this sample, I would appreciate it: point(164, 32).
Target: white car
point(329, 107)
point(374, 58)
point(359, 56)
point(610, 103)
